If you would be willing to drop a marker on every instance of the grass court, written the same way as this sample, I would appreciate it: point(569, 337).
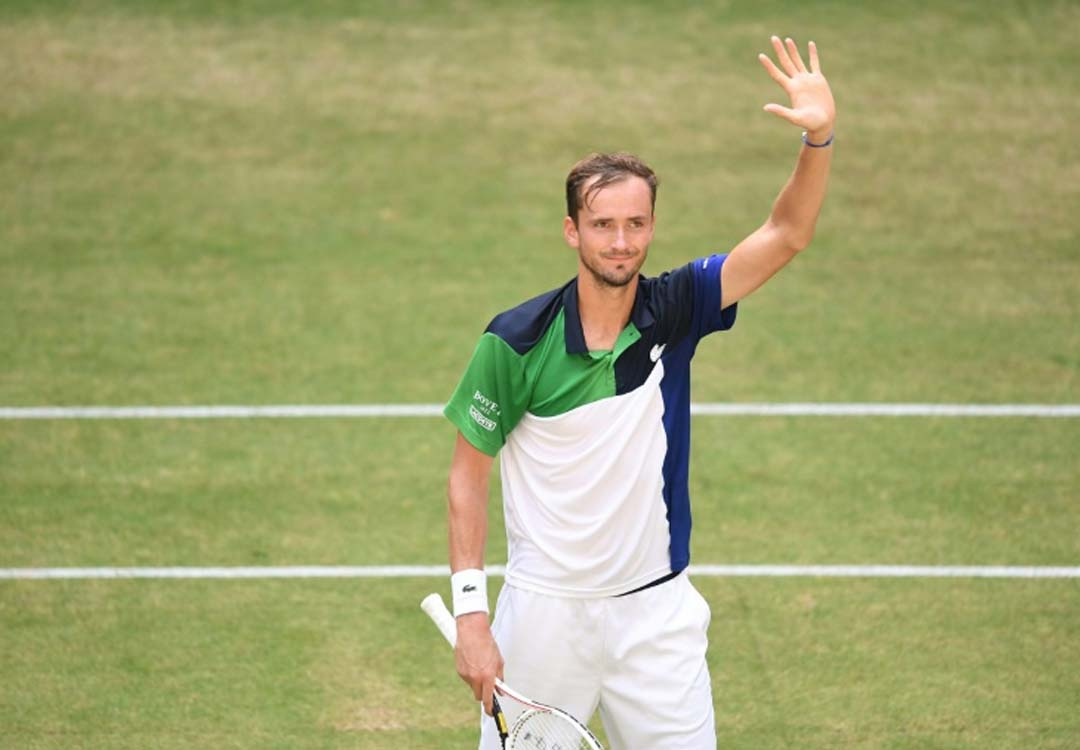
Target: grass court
point(325, 202)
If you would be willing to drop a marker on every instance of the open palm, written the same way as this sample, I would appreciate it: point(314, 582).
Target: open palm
point(812, 107)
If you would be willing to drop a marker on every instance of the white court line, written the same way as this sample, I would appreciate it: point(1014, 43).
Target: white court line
point(889, 410)
point(435, 410)
point(220, 412)
point(294, 571)
point(885, 571)
point(442, 571)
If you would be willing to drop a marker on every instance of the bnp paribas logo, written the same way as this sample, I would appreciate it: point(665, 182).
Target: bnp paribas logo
point(484, 411)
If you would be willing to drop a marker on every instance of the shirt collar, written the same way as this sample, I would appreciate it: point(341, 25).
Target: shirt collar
point(640, 316)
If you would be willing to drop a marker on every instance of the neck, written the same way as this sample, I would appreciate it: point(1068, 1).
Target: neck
point(604, 310)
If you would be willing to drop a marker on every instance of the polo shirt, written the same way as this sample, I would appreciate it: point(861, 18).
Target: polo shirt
point(594, 446)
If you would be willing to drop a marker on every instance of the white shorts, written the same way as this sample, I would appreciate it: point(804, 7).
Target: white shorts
point(639, 659)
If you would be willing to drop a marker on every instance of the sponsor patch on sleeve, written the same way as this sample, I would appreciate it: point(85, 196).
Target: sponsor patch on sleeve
point(480, 419)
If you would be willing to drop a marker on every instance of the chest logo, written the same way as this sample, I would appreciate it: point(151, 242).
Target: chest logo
point(656, 351)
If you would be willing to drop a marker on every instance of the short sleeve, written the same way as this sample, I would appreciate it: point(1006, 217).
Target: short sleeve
point(491, 397)
point(708, 317)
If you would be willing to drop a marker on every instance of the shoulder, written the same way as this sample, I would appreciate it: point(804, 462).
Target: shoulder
point(672, 291)
point(655, 287)
point(682, 280)
point(521, 327)
point(684, 276)
point(686, 298)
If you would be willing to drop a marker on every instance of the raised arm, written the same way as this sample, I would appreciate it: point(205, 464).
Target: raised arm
point(790, 226)
point(478, 659)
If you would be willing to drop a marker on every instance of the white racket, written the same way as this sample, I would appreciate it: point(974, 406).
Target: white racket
point(540, 726)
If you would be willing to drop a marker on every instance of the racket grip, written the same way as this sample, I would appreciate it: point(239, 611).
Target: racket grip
point(435, 608)
point(500, 720)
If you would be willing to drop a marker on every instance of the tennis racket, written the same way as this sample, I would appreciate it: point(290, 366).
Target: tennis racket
point(540, 726)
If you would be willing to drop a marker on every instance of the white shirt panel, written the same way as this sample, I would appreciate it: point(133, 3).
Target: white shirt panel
point(583, 496)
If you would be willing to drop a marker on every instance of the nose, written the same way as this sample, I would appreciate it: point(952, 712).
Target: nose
point(620, 240)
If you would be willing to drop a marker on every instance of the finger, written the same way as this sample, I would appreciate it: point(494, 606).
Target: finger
point(785, 112)
point(773, 71)
point(782, 56)
point(793, 51)
point(488, 690)
point(815, 65)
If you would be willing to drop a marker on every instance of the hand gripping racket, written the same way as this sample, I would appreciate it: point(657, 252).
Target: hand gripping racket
point(540, 726)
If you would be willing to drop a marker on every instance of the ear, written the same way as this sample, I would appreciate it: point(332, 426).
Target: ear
point(570, 233)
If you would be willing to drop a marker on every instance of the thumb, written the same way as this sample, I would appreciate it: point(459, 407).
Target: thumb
point(785, 112)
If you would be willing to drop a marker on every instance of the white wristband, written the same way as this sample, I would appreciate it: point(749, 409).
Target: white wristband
point(470, 591)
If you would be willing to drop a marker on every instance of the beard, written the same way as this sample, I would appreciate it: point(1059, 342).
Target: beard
point(614, 278)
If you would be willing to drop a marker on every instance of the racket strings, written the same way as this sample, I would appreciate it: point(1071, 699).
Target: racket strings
point(544, 730)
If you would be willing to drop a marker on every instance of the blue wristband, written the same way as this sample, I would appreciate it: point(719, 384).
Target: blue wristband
point(818, 145)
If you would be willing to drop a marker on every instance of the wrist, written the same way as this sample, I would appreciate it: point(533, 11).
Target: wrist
point(473, 621)
point(818, 138)
point(469, 589)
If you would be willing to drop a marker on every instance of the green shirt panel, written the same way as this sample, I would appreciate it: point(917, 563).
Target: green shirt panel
point(499, 385)
point(492, 395)
point(562, 382)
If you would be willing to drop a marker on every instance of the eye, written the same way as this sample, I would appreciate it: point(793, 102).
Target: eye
point(601, 223)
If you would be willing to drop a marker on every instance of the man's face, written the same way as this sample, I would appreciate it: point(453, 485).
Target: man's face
point(613, 231)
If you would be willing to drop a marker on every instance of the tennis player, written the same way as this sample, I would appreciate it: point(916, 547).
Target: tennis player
point(584, 392)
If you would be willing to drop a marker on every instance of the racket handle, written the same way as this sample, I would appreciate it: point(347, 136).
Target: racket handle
point(440, 615)
point(500, 720)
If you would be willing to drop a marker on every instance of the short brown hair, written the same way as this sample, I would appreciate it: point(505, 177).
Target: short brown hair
point(611, 168)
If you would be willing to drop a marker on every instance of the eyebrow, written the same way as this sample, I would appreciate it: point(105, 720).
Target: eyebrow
point(636, 217)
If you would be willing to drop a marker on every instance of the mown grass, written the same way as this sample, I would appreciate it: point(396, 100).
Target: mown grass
point(371, 492)
point(259, 207)
point(269, 202)
point(340, 664)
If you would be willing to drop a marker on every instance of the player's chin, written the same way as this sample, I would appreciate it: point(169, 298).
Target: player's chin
point(620, 277)
point(623, 270)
